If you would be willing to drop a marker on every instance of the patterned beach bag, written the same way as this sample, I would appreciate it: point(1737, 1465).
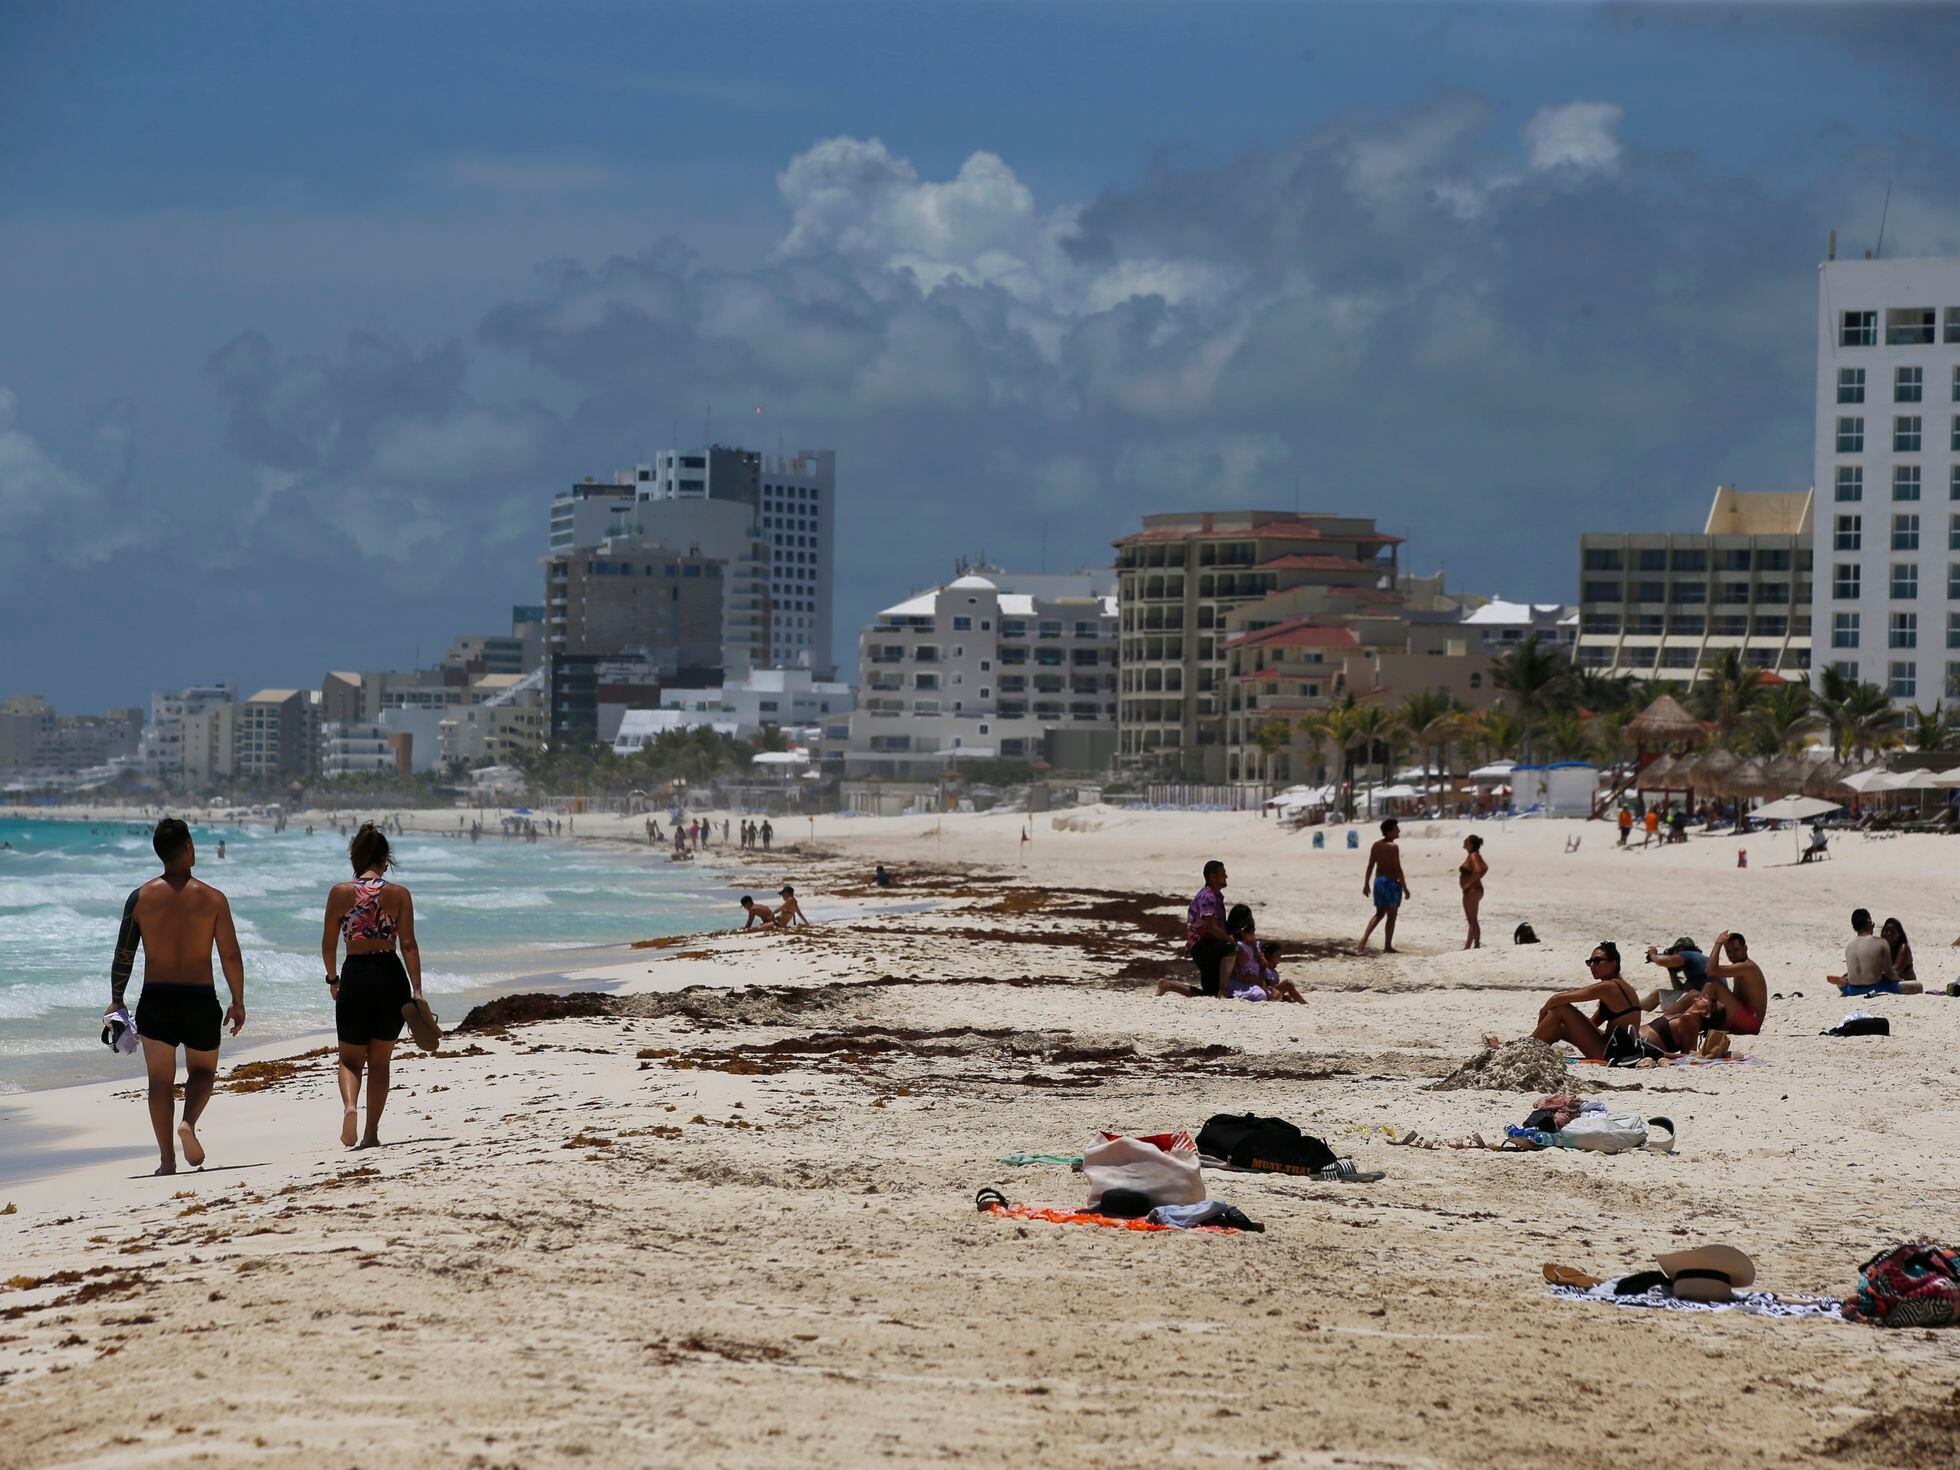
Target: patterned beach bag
point(1916, 1284)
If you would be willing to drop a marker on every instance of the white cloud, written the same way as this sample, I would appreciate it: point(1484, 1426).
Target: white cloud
point(1577, 135)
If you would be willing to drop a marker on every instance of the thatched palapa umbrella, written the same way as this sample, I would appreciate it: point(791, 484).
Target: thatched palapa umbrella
point(1712, 771)
point(1653, 775)
point(1663, 723)
point(1749, 777)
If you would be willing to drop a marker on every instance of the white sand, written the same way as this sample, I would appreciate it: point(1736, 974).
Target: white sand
point(814, 1288)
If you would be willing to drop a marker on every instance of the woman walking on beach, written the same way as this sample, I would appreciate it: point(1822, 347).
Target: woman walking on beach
point(1471, 876)
point(382, 974)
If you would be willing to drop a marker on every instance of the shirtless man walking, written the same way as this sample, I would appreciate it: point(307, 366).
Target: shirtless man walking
point(1384, 882)
point(176, 919)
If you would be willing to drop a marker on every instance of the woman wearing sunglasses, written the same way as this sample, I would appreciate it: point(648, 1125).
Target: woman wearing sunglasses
point(1616, 1007)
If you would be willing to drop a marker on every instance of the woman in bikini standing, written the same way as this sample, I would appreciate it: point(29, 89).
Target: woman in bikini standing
point(382, 974)
point(1471, 877)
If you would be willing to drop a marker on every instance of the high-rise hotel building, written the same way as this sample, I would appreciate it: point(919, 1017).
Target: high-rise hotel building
point(1887, 537)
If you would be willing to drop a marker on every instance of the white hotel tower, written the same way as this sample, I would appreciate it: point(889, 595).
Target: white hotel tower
point(1887, 598)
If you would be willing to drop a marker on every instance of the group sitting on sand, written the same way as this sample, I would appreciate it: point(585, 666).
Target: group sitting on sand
point(1709, 997)
point(1225, 946)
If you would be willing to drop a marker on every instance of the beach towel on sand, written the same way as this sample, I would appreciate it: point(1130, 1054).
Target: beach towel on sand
point(1675, 1062)
point(1108, 1222)
point(1755, 1303)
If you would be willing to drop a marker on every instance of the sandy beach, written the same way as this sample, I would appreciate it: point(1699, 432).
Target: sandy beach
point(726, 1218)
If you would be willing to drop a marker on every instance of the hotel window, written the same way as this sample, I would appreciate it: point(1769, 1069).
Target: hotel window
point(1905, 482)
point(1844, 630)
point(1905, 533)
point(1904, 680)
point(1851, 385)
point(1844, 583)
point(1904, 631)
point(1850, 482)
point(1849, 535)
point(1956, 382)
point(1735, 592)
point(1905, 434)
point(1953, 630)
point(1858, 329)
point(1909, 326)
point(1851, 436)
point(1690, 592)
point(1678, 658)
point(1953, 484)
point(1953, 533)
point(1691, 561)
point(1772, 627)
point(1847, 667)
point(1953, 581)
point(1954, 445)
point(1602, 592)
point(1908, 385)
point(1602, 559)
point(1650, 592)
point(1687, 625)
point(1905, 580)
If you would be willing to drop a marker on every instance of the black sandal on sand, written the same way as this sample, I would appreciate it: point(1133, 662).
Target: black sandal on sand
point(1344, 1172)
point(986, 1199)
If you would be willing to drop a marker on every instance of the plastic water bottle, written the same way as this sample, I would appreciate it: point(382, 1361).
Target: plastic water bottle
point(1742, 857)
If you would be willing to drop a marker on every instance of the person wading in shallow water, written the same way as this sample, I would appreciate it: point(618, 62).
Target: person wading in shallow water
point(382, 973)
point(176, 920)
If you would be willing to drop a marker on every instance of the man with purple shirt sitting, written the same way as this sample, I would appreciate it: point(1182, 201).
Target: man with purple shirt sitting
point(1205, 938)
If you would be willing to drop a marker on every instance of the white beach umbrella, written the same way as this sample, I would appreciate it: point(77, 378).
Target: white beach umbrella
point(1914, 781)
point(1948, 778)
point(1794, 809)
point(1872, 780)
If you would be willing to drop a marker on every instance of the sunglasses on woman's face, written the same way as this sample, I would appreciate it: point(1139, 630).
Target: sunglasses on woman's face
point(1598, 959)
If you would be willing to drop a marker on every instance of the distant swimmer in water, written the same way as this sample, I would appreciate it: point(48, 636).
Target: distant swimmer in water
point(221, 849)
point(759, 913)
point(176, 921)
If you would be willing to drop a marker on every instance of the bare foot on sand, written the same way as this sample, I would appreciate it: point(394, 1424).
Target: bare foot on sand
point(193, 1150)
point(350, 1127)
point(170, 1168)
point(367, 1143)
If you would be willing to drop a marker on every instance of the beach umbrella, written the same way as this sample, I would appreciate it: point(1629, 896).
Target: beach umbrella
point(1948, 778)
point(1664, 722)
point(1914, 781)
point(1867, 780)
point(1827, 780)
point(1712, 769)
point(1794, 810)
point(1751, 778)
point(1653, 775)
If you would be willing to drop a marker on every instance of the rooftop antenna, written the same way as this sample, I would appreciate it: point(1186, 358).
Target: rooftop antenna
point(1830, 247)
point(1879, 249)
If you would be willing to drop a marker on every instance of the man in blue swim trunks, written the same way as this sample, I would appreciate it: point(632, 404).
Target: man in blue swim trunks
point(1384, 882)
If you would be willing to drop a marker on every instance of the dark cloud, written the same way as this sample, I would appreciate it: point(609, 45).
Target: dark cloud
point(1490, 338)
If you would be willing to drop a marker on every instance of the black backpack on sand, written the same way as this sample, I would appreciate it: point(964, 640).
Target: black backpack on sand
point(1270, 1144)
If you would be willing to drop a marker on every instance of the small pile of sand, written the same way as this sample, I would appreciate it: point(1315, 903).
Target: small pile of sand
point(1526, 1065)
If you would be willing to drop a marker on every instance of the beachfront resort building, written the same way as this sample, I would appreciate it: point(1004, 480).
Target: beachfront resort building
point(209, 743)
point(1182, 580)
point(639, 596)
point(161, 751)
point(780, 609)
point(277, 736)
point(1887, 610)
point(1660, 605)
point(992, 664)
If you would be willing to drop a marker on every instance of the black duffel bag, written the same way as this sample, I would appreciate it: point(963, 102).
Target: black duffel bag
point(1271, 1144)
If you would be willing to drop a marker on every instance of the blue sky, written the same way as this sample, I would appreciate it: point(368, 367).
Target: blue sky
point(306, 309)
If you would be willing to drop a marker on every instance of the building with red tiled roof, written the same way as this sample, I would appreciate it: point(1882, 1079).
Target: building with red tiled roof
point(1188, 582)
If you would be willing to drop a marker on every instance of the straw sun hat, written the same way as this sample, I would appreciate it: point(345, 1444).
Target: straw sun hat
point(1708, 1272)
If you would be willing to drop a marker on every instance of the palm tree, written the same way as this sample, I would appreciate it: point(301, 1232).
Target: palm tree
point(1430, 718)
point(1499, 733)
point(1780, 718)
point(1565, 733)
point(1533, 676)
point(1604, 693)
point(1318, 731)
point(1609, 732)
point(1863, 721)
point(1929, 729)
point(1271, 736)
point(1727, 695)
point(1369, 725)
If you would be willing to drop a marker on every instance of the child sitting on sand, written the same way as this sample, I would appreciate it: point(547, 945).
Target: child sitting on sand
point(1252, 976)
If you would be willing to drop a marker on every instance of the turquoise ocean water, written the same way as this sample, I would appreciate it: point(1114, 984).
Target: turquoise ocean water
point(486, 915)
